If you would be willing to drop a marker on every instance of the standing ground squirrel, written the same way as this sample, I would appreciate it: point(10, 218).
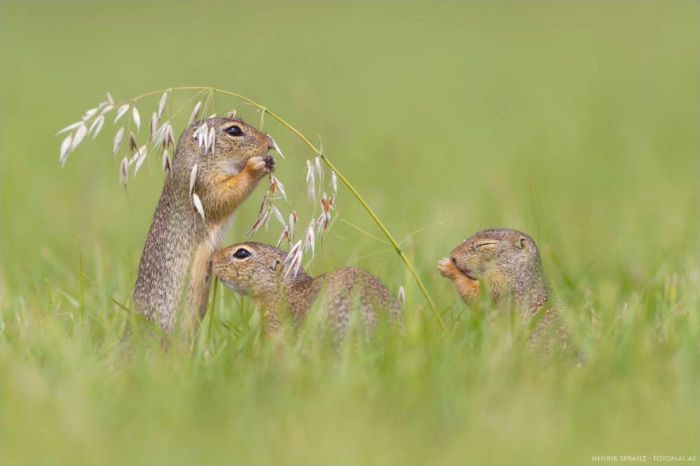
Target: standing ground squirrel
point(508, 264)
point(180, 241)
point(260, 271)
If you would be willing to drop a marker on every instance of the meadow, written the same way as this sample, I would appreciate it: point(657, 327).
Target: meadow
point(574, 122)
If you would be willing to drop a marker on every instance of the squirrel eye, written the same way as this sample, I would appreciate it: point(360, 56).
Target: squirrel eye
point(234, 130)
point(241, 253)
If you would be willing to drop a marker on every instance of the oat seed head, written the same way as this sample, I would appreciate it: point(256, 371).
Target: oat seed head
point(293, 260)
point(193, 178)
point(154, 126)
point(211, 139)
point(124, 171)
point(133, 145)
point(278, 215)
point(198, 205)
point(78, 136)
point(117, 141)
point(262, 218)
point(121, 112)
point(310, 238)
point(136, 117)
point(276, 147)
point(89, 114)
point(283, 236)
point(70, 127)
point(65, 148)
point(292, 223)
point(310, 181)
point(140, 157)
point(334, 183)
point(166, 161)
point(195, 112)
point(319, 169)
point(96, 126)
point(161, 104)
point(277, 186)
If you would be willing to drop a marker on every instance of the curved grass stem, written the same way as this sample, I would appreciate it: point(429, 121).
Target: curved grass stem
point(332, 167)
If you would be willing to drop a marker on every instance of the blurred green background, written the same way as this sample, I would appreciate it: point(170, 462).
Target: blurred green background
point(575, 122)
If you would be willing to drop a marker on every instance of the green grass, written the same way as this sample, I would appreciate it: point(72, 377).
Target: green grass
point(576, 123)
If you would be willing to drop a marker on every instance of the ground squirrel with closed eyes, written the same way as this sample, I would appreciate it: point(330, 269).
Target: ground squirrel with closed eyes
point(261, 272)
point(507, 263)
point(174, 269)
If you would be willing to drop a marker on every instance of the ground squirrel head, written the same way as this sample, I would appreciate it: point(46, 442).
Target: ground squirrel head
point(254, 269)
point(506, 261)
point(230, 143)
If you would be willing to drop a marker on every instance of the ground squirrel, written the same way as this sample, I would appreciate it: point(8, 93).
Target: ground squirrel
point(180, 241)
point(260, 271)
point(507, 263)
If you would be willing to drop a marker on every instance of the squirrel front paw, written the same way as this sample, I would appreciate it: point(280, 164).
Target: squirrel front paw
point(446, 267)
point(260, 166)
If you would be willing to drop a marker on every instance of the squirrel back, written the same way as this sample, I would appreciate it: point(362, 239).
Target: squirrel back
point(259, 271)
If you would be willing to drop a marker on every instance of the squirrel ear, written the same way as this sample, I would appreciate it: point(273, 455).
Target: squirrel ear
point(276, 265)
point(521, 242)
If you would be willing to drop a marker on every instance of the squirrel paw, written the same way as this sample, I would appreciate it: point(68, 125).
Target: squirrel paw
point(260, 166)
point(446, 267)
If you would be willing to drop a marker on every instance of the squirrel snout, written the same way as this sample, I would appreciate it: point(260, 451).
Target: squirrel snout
point(270, 143)
point(214, 261)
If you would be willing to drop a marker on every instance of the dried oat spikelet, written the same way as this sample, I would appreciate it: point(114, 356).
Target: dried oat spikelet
point(263, 216)
point(161, 104)
point(334, 183)
point(195, 113)
point(154, 126)
point(117, 141)
point(293, 260)
point(276, 186)
point(124, 171)
point(140, 156)
point(292, 223)
point(310, 238)
point(65, 149)
point(136, 117)
point(193, 178)
point(402, 295)
point(198, 205)
point(310, 181)
point(166, 161)
point(96, 126)
point(78, 137)
point(276, 147)
point(283, 236)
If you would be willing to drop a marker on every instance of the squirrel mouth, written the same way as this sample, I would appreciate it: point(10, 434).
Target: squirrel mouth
point(469, 274)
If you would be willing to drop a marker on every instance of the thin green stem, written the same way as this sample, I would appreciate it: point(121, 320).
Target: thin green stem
point(332, 167)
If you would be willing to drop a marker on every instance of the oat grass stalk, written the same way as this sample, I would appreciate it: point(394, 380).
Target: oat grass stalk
point(210, 91)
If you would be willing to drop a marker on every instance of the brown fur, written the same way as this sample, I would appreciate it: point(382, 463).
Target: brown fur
point(179, 242)
point(262, 277)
